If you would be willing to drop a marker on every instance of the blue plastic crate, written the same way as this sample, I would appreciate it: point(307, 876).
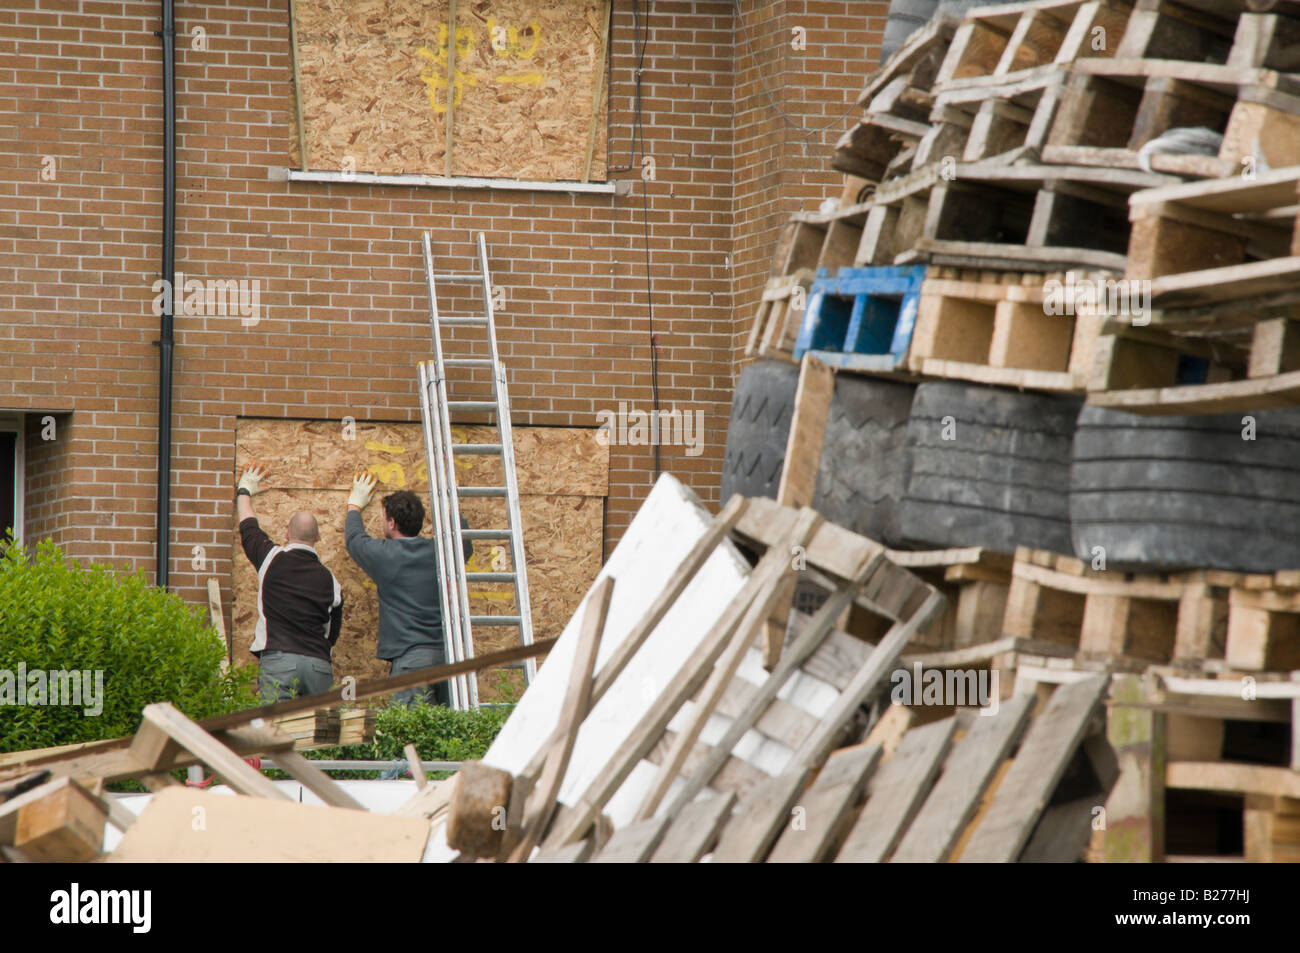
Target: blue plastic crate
point(862, 318)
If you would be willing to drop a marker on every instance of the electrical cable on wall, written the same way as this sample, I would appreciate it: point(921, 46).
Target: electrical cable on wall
point(807, 133)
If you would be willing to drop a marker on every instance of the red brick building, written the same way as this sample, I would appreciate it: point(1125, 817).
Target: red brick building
point(740, 122)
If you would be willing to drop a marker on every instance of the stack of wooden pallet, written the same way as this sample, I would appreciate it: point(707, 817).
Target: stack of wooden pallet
point(999, 156)
point(1016, 781)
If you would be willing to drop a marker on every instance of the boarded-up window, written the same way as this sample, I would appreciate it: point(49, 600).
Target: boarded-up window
point(525, 93)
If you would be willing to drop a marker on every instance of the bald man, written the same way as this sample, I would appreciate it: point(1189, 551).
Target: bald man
point(299, 602)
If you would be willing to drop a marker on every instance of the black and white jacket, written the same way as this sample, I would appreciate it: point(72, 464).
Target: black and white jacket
point(299, 602)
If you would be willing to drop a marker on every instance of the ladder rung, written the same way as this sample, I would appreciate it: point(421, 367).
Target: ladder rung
point(476, 448)
point(457, 276)
point(490, 576)
point(467, 362)
point(481, 491)
point(471, 405)
point(494, 620)
point(486, 534)
point(463, 322)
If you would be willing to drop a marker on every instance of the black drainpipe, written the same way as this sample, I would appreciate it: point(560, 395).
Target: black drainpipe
point(165, 340)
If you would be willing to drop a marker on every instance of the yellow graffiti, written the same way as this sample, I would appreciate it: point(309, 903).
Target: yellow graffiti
point(378, 447)
point(503, 41)
point(492, 596)
point(523, 79)
point(390, 474)
point(434, 74)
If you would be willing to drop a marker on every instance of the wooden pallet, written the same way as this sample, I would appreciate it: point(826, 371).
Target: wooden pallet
point(896, 103)
point(861, 319)
point(1110, 109)
point(992, 215)
point(1222, 260)
point(974, 582)
point(1013, 786)
point(1156, 617)
point(780, 313)
point(1017, 41)
point(995, 328)
point(1203, 754)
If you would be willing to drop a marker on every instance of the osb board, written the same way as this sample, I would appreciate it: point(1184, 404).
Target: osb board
point(373, 77)
point(563, 478)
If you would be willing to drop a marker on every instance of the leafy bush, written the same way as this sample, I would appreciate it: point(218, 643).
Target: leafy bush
point(438, 733)
point(149, 645)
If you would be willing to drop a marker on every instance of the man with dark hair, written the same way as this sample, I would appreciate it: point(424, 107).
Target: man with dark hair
point(404, 567)
point(299, 602)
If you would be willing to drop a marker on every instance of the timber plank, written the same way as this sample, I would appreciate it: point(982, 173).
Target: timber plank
point(896, 792)
point(1051, 742)
point(966, 773)
point(694, 831)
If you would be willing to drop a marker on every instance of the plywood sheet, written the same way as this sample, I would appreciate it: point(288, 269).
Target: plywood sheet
point(374, 84)
point(563, 477)
point(183, 825)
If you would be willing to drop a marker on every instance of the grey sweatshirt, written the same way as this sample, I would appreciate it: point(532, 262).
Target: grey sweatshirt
point(405, 571)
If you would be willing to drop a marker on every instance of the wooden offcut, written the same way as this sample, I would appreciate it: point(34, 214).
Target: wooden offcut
point(476, 813)
point(185, 825)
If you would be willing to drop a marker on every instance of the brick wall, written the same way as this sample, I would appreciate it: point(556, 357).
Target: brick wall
point(343, 308)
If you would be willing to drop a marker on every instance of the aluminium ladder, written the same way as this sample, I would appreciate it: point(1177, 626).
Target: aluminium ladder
point(445, 493)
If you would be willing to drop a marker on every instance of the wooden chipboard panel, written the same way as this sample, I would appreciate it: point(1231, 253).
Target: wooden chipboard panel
point(374, 84)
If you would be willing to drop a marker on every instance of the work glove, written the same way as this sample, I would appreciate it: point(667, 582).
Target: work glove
point(363, 484)
point(251, 476)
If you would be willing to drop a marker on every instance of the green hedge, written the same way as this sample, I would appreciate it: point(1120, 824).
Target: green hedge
point(438, 733)
point(149, 645)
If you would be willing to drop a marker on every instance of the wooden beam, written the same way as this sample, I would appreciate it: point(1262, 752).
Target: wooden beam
point(596, 94)
point(577, 701)
point(218, 620)
point(881, 661)
point(164, 724)
point(316, 781)
point(451, 81)
point(791, 660)
point(803, 454)
point(297, 86)
point(416, 766)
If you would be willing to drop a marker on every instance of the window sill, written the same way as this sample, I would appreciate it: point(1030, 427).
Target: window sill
point(622, 187)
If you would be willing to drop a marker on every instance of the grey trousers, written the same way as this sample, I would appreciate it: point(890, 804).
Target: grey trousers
point(421, 656)
point(285, 675)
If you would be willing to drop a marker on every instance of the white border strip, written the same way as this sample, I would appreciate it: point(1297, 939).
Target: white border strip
point(446, 182)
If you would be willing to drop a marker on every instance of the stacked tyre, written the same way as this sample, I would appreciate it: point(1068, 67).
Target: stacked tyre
point(1216, 491)
point(862, 468)
point(987, 467)
point(932, 466)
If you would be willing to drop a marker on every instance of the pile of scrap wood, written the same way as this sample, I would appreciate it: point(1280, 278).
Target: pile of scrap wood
point(1095, 199)
point(682, 746)
point(996, 153)
point(663, 727)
